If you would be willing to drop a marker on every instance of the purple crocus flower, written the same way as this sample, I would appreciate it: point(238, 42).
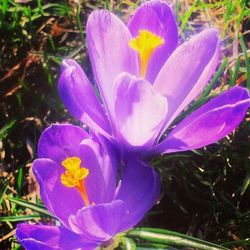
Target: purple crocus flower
point(78, 183)
point(145, 81)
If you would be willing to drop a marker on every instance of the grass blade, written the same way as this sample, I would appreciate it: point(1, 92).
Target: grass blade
point(231, 244)
point(20, 181)
point(172, 238)
point(33, 206)
point(244, 49)
point(3, 192)
point(215, 78)
point(236, 72)
point(5, 129)
point(154, 246)
point(19, 218)
point(128, 243)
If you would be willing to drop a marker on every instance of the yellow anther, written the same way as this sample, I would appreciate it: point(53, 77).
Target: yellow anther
point(68, 179)
point(145, 44)
point(72, 163)
point(74, 176)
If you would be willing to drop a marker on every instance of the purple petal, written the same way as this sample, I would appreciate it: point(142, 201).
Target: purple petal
point(187, 71)
point(107, 39)
point(139, 189)
point(101, 181)
point(208, 124)
point(42, 237)
point(157, 17)
point(107, 145)
point(139, 110)
point(61, 141)
point(99, 222)
point(62, 201)
point(79, 97)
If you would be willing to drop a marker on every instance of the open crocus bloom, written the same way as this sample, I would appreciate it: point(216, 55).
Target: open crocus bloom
point(145, 82)
point(78, 183)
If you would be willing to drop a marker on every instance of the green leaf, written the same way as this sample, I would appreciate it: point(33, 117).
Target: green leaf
point(128, 244)
point(20, 180)
point(3, 191)
point(187, 15)
point(19, 218)
point(4, 7)
point(33, 206)
point(244, 49)
point(154, 246)
point(230, 244)
point(246, 182)
point(6, 128)
point(215, 78)
point(172, 238)
point(236, 72)
point(79, 22)
point(192, 108)
point(39, 4)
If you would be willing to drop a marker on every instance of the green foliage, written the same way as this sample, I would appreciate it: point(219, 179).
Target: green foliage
point(171, 238)
point(6, 129)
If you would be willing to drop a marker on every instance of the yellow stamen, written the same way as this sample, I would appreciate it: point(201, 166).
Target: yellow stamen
point(74, 176)
point(145, 44)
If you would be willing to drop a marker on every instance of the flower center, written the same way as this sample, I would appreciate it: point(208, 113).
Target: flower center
point(74, 176)
point(145, 44)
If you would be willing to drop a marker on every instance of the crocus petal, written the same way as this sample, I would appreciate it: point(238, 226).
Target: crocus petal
point(79, 97)
point(109, 147)
point(187, 71)
point(156, 17)
point(62, 201)
point(101, 181)
point(139, 189)
point(107, 39)
point(61, 141)
point(208, 124)
point(42, 237)
point(139, 110)
point(98, 222)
